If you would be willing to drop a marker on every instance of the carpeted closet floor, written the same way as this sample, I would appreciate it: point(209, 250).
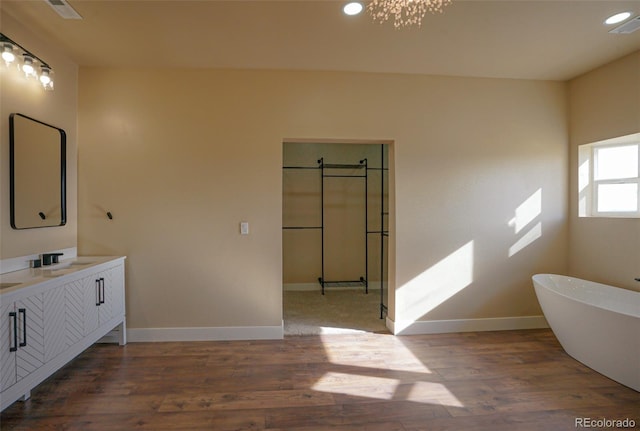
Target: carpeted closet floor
point(335, 312)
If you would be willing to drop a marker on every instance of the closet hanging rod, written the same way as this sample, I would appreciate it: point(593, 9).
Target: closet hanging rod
point(344, 283)
point(339, 166)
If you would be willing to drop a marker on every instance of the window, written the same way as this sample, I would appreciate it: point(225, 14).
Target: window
point(609, 178)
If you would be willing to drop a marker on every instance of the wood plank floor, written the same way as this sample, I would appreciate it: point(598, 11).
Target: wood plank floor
point(511, 380)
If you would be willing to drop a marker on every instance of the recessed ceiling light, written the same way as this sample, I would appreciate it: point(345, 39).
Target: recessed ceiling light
point(619, 17)
point(353, 8)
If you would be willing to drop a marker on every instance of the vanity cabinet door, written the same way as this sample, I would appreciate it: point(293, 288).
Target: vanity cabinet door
point(55, 337)
point(30, 354)
point(22, 346)
point(117, 290)
point(8, 342)
point(113, 291)
point(92, 302)
point(105, 312)
point(74, 294)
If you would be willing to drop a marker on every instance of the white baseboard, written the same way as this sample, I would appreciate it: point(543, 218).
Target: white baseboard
point(206, 333)
point(277, 332)
point(308, 287)
point(466, 325)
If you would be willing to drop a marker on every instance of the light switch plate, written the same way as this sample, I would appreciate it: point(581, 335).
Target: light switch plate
point(244, 228)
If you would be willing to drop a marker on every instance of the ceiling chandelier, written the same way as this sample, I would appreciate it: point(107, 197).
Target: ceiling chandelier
point(404, 12)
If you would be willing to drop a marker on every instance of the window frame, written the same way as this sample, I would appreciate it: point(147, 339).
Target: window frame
point(594, 148)
point(587, 199)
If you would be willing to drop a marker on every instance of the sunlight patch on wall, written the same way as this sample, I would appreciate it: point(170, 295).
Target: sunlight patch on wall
point(533, 234)
point(526, 213)
point(435, 285)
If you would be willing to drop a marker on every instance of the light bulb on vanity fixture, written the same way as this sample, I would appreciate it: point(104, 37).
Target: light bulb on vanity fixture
point(45, 78)
point(28, 63)
point(28, 66)
point(7, 53)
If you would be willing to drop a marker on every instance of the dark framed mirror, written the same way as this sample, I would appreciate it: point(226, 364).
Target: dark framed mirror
point(37, 169)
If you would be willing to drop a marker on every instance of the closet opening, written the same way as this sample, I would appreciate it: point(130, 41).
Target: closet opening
point(335, 230)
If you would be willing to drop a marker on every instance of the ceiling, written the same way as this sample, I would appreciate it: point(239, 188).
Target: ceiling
point(550, 40)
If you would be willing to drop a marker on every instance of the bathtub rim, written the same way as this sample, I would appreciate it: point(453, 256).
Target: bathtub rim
point(539, 280)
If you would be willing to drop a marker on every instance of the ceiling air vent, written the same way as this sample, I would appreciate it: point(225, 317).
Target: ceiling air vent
point(626, 28)
point(63, 9)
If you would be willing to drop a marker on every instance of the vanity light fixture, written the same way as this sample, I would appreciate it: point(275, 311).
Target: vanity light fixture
point(31, 65)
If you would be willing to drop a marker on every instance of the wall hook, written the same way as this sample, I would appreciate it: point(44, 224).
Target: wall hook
point(109, 215)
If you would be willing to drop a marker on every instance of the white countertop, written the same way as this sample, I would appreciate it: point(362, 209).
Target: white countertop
point(12, 281)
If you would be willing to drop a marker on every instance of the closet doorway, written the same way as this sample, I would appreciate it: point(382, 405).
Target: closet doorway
point(335, 226)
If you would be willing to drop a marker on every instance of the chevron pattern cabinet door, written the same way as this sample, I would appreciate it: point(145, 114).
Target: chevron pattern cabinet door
point(30, 357)
point(7, 358)
point(90, 288)
point(117, 290)
point(74, 311)
point(106, 308)
point(55, 341)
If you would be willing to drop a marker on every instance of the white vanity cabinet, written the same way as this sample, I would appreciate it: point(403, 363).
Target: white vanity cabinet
point(103, 297)
point(53, 318)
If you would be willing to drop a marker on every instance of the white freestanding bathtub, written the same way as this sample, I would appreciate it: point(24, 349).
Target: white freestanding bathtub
point(597, 324)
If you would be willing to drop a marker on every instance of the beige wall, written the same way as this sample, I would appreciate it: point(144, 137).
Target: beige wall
point(180, 157)
point(604, 103)
point(58, 108)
